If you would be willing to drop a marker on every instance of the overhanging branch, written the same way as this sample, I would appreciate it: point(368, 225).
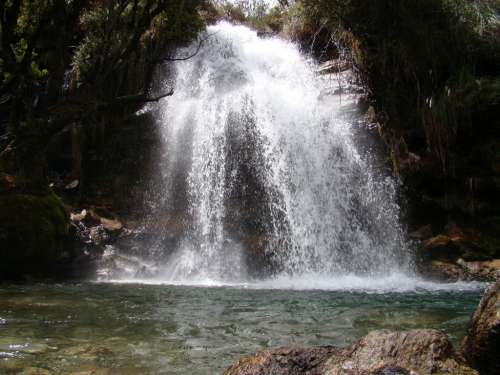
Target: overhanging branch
point(198, 48)
point(137, 98)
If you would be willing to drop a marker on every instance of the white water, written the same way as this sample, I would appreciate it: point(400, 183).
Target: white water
point(250, 109)
point(267, 184)
point(394, 283)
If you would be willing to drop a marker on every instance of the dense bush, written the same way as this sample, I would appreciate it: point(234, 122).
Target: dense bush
point(432, 66)
point(65, 61)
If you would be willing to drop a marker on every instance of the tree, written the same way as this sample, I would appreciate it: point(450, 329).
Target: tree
point(77, 61)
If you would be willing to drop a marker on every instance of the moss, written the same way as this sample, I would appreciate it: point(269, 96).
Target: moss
point(33, 231)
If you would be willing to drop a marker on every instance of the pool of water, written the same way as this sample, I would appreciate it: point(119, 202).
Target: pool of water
point(112, 328)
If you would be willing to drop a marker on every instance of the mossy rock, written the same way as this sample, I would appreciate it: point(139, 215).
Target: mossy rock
point(33, 233)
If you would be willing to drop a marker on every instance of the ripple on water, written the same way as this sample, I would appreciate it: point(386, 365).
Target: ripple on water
point(141, 329)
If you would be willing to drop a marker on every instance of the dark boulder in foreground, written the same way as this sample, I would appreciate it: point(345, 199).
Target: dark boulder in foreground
point(379, 353)
point(481, 345)
point(423, 351)
point(284, 361)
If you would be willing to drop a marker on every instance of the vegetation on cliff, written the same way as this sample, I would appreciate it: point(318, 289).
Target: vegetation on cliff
point(80, 61)
point(80, 66)
point(72, 70)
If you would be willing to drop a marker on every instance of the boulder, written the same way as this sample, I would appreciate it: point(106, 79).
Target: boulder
point(284, 361)
point(111, 225)
point(420, 352)
point(488, 270)
point(415, 352)
point(438, 241)
point(454, 232)
point(34, 234)
point(481, 345)
point(106, 219)
point(422, 233)
point(444, 271)
point(79, 216)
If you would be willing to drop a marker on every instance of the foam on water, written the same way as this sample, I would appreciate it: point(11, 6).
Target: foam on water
point(395, 283)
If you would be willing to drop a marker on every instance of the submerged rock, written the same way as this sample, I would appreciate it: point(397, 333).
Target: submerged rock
point(415, 352)
point(35, 371)
point(481, 345)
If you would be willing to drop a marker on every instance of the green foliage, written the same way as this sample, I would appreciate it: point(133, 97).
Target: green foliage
point(32, 229)
point(431, 66)
point(118, 35)
point(111, 47)
point(256, 14)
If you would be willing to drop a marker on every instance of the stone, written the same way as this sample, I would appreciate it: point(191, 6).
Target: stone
point(106, 219)
point(415, 352)
point(454, 232)
point(72, 185)
point(35, 371)
point(423, 351)
point(440, 247)
point(283, 361)
point(422, 233)
point(97, 371)
point(488, 270)
point(78, 216)
point(481, 345)
point(443, 271)
point(98, 235)
point(111, 225)
point(437, 241)
point(34, 348)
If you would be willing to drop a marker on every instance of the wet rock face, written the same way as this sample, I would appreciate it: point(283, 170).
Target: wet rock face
point(415, 352)
point(456, 254)
point(481, 345)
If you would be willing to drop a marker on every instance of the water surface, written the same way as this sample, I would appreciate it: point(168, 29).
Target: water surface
point(162, 329)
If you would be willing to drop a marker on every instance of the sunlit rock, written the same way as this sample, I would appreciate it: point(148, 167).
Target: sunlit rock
point(284, 361)
point(415, 352)
point(481, 345)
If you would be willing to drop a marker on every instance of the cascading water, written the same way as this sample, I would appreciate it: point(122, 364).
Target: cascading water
point(273, 181)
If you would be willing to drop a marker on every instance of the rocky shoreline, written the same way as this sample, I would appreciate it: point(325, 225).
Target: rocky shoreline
point(415, 352)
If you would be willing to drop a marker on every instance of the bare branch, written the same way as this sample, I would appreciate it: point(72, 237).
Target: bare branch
point(137, 98)
point(200, 44)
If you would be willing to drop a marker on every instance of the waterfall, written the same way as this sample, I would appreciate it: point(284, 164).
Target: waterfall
point(264, 169)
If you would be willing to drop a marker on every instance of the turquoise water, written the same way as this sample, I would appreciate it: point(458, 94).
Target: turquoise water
point(159, 329)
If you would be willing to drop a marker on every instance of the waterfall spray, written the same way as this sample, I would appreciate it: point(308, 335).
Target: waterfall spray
point(275, 182)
